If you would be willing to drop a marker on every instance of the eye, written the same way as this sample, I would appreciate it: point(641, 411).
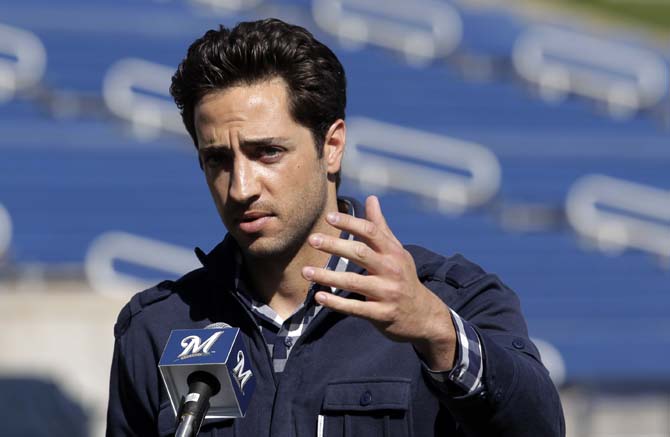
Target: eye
point(215, 160)
point(270, 153)
point(212, 161)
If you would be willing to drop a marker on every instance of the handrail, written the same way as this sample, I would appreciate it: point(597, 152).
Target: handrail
point(138, 91)
point(30, 61)
point(421, 30)
point(408, 160)
point(561, 61)
point(142, 251)
point(552, 360)
point(618, 214)
point(228, 5)
point(5, 231)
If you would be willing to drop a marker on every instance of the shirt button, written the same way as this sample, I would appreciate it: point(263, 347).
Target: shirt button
point(366, 398)
point(518, 343)
point(288, 342)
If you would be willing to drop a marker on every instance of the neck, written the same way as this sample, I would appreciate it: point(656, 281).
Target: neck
point(278, 280)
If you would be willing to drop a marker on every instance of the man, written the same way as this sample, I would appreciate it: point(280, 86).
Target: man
point(349, 332)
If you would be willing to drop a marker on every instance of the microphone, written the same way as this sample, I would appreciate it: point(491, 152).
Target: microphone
point(206, 375)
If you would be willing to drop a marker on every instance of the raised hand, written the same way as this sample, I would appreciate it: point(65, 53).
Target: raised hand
point(396, 302)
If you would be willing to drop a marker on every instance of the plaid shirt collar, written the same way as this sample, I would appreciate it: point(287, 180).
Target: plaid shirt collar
point(280, 335)
point(334, 263)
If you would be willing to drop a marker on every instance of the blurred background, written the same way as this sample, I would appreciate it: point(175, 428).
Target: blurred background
point(531, 136)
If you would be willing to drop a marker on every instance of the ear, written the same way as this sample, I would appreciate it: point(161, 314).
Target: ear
point(333, 147)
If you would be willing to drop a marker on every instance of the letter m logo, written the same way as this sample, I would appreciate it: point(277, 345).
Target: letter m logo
point(241, 376)
point(194, 345)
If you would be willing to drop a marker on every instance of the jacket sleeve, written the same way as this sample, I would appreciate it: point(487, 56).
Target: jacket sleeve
point(131, 391)
point(517, 397)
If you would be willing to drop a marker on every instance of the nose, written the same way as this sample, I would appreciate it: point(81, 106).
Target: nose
point(244, 185)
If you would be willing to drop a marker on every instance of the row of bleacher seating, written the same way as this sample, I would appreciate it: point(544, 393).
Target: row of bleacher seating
point(93, 149)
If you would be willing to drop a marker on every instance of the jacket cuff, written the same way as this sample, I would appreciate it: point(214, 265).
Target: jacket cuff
point(465, 378)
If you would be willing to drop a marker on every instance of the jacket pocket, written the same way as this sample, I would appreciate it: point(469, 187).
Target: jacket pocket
point(369, 407)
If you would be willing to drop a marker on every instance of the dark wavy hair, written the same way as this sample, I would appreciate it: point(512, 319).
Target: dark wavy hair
point(260, 50)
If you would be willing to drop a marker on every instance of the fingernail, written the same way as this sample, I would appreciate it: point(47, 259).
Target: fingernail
point(321, 297)
point(332, 217)
point(316, 240)
point(308, 272)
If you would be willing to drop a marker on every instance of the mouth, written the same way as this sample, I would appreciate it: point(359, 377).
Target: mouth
point(253, 221)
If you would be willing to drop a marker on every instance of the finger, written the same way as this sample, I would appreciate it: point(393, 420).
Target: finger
point(356, 251)
point(373, 212)
point(369, 286)
point(365, 230)
point(365, 309)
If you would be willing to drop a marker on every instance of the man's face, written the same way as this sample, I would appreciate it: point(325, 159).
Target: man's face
point(262, 169)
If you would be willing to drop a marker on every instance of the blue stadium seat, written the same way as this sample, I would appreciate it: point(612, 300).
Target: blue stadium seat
point(67, 177)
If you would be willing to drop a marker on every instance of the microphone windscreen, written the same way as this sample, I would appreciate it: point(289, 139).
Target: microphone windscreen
point(218, 325)
point(218, 350)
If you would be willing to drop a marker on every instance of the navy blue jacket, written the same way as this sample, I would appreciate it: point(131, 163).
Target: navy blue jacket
point(336, 361)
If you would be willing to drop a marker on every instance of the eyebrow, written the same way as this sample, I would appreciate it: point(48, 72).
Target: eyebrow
point(262, 142)
point(250, 143)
